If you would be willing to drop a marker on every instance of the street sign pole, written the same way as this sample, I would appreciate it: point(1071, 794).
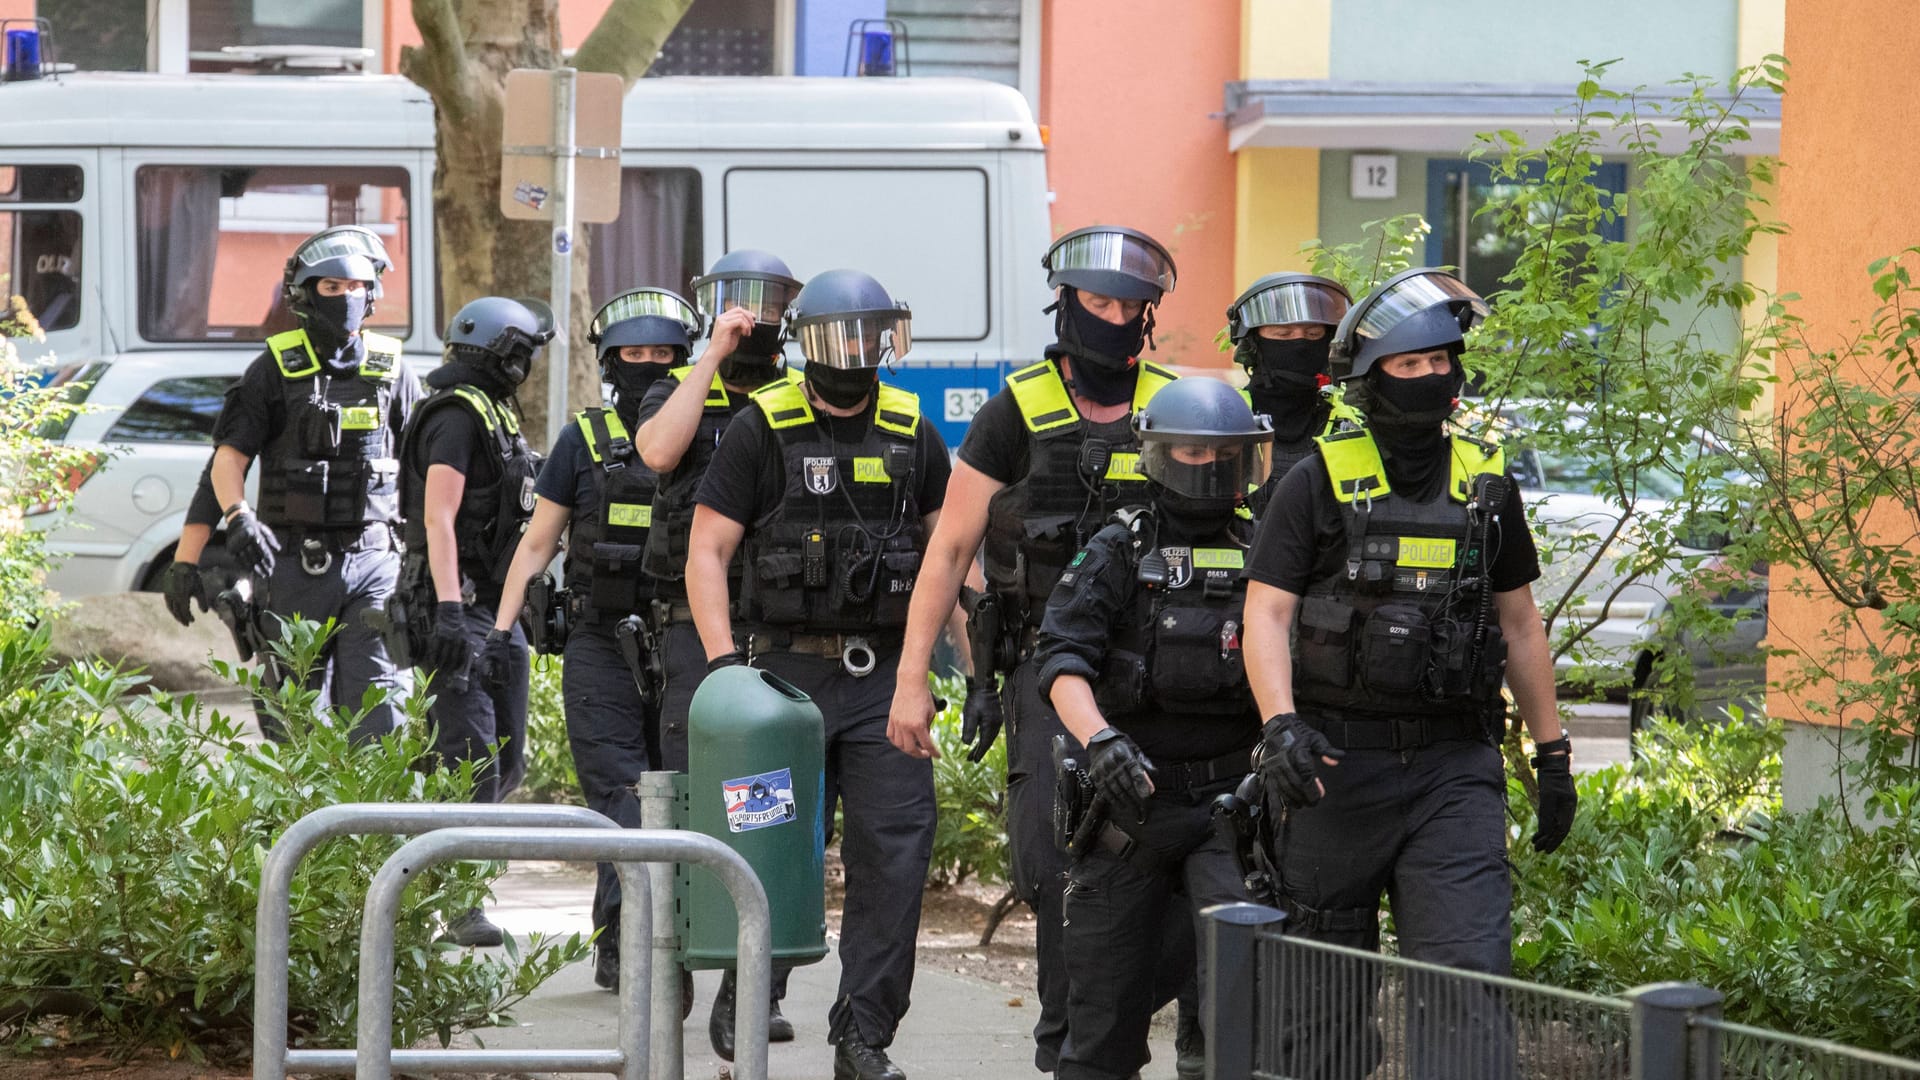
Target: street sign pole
point(562, 248)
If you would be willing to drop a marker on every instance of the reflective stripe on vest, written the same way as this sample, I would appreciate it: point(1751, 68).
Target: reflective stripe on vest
point(615, 431)
point(785, 405)
point(1045, 403)
point(1354, 466)
point(483, 406)
point(382, 357)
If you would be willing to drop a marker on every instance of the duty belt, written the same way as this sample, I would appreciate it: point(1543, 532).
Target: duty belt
point(858, 653)
point(674, 612)
point(1179, 776)
point(1397, 734)
point(373, 536)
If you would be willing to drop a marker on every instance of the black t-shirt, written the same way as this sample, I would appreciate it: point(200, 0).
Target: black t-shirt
point(996, 444)
point(746, 478)
point(204, 509)
point(453, 436)
point(255, 408)
point(1303, 536)
point(566, 478)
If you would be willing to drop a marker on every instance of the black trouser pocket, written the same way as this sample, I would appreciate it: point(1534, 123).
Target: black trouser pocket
point(1324, 645)
point(1394, 645)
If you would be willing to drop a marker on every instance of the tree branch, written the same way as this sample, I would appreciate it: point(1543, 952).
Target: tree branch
point(628, 37)
point(439, 63)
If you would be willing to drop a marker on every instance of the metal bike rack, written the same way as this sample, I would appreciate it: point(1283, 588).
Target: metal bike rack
point(665, 1043)
point(375, 1056)
point(272, 1058)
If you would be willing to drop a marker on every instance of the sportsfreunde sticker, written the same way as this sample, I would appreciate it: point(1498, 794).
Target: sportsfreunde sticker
point(755, 802)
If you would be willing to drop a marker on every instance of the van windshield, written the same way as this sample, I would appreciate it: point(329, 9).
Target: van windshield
point(214, 239)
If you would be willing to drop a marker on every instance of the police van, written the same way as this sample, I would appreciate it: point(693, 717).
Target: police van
point(145, 218)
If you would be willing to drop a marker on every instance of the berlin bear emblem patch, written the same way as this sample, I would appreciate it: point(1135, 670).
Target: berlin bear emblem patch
point(756, 802)
point(823, 475)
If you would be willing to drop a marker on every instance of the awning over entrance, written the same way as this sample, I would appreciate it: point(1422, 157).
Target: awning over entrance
point(1434, 117)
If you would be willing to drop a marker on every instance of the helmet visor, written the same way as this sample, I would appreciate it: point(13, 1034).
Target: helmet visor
point(1294, 302)
point(1206, 467)
point(1413, 295)
point(638, 302)
point(856, 341)
point(766, 299)
point(1114, 252)
point(343, 244)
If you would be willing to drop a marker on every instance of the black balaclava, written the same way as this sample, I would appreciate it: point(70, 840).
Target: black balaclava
point(1190, 518)
point(756, 360)
point(1408, 420)
point(331, 320)
point(631, 381)
point(1284, 378)
point(842, 389)
point(474, 369)
point(1101, 353)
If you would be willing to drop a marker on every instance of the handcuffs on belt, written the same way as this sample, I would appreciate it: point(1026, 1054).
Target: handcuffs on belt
point(857, 655)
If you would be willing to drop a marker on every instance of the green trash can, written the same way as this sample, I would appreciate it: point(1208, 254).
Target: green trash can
point(756, 780)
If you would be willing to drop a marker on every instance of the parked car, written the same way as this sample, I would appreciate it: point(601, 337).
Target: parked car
point(151, 415)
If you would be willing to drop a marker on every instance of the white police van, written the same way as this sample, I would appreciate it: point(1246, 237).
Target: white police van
point(144, 220)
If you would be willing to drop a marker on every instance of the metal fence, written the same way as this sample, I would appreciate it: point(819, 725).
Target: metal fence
point(1285, 1008)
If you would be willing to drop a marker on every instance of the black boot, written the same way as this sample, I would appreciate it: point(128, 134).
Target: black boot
point(720, 1023)
point(686, 994)
point(606, 967)
point(1189, 1046)
point(779, 1028)
point(855, 1060)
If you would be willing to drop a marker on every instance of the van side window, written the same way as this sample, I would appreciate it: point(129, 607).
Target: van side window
point(656, 241)
point(39, 271)
point(213, 242)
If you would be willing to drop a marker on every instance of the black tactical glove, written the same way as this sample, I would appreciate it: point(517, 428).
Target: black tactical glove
point(450, 649)
point(736, 658)
point(980, 717)
point(497, 657)
point(1553, 768)
point(181, 586)
point(252, 544)
point(1119, 772)
point(1288, 760)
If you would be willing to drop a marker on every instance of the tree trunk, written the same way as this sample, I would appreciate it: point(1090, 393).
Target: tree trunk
point(468, 46)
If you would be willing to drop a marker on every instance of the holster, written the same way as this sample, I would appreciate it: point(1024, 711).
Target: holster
point(236, 608)
point(639, 648)
point(986, 636)
point(546, 616)
point(1078, 811)
point(1240, 820)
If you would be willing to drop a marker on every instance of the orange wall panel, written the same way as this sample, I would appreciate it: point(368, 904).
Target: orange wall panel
point(1846, 193)
point(1132, 93)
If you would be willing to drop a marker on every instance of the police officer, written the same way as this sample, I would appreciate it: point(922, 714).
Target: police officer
point(321, 409)
point(1140, 653)
point(1044, 463)
point(467, 486)
point(1281, 327)
point(680, 422)
point(828, 489)
point(596, 490)
point(1389, 597)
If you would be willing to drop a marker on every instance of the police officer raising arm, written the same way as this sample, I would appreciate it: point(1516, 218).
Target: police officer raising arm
point(467, 484)
point(1044, 463)
point(828, 489)
point(1389, 597)
point(1139, 651)
point(322, 409)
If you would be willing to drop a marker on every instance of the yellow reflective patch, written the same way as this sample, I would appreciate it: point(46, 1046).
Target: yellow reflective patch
point(1218, 559)
point(359, 418)
point(1424, 551)
point(870, 470)
point(1124, 466)
point(630, 516)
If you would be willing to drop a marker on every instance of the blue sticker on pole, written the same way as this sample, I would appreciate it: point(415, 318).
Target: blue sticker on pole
point(562, 241)
point(756, 802)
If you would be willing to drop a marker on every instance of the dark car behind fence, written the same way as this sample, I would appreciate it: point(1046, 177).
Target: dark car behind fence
point(1285, 1008)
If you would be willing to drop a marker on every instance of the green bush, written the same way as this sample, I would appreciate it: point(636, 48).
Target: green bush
point(1681, 866)
point(134, 830)
point(550, 774)
point(36, 476)
point(971, 837)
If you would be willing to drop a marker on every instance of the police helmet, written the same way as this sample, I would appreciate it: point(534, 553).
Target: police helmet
point(349, 252)
point(1199, 438)
point(845, 319)
point(1287, 299)
point(749, 279)
point(1125, 264)
point(644, 316)
point(1412, 311)
point(500, 333)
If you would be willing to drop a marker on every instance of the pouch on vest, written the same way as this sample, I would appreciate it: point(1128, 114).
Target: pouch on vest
point(893, 592)
point(1188, 665)
point(1493, 666)
point(616, 579)
point(1122, 686)
point(319, 429)
point(1051, 540)
point(773, 590)
point(1394, 646)
point(1324, 645)
point(1452, 658)
point(307, 486)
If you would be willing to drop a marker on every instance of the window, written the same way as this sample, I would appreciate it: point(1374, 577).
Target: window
point(213, 25)
point(721, 37)
point(213, 242)
point(1465, 238)
point(41, 183)
point(99, 35)
point(39, 271)
point(656, 241)
point(921, 232)
point(173, 410)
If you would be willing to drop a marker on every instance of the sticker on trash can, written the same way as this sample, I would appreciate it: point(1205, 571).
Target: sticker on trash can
point(755, 802)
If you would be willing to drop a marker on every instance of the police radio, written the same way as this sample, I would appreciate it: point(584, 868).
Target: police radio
point(813, 559)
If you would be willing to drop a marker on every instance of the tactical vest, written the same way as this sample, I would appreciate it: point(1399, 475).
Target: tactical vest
point(605, 538)
point(1284, 459)
point(1072, 485)
point(1391, 632)
point(666, 555)
point(840, 551)
point(498, 498)
point(331, 465)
